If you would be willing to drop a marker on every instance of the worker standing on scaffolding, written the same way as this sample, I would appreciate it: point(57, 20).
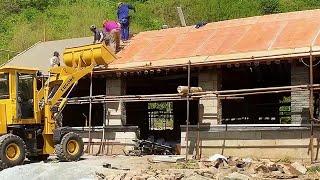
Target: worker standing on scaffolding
point(124, 19)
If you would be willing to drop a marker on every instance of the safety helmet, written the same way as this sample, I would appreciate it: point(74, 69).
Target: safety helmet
point(93, 27)
point(120, 3)
point(56, 53)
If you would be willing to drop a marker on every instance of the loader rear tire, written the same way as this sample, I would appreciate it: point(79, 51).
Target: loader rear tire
point(70, 148)
point(12, 151)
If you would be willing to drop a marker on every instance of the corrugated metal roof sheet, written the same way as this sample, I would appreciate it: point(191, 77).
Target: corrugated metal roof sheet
point(255, 34)
point(38, 55)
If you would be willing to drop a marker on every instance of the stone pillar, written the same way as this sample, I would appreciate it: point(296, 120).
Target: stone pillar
point(208, 108)
point(115, 111)
point(299, 99)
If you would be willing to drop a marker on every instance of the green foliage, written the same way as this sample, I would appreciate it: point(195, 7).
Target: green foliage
point(313, 169)
point(270, 6)
point(159, 112)
point(190, 164)
point(25, 22)
point(285, 159)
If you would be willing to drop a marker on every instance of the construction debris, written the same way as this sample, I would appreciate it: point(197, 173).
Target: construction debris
point(217, 157)
point(299, 168)
point(130, 168)
point(236, 176)
point(170, 159)
point(145, 147)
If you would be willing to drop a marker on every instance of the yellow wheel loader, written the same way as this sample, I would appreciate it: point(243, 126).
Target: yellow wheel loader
point(31, 112)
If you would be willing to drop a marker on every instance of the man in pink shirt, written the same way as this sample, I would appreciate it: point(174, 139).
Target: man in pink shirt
point(112, 28)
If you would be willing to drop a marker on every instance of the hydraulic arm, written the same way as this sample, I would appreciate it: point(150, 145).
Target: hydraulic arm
point(53, 96)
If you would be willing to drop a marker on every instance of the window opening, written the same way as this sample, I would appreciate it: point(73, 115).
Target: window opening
point(25, 96)
point(4, 86)
point(160, 115)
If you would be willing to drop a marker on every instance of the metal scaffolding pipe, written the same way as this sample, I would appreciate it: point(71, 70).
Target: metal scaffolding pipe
point(311, 106)
point(188, 111)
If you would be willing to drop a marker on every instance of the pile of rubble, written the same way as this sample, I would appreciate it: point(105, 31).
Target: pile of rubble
point(217, 167)
point(247, 168)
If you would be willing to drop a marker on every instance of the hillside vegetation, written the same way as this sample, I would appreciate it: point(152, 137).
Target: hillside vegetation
point(25, 22)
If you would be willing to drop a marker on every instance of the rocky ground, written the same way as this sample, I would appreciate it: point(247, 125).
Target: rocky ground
point(145, 168)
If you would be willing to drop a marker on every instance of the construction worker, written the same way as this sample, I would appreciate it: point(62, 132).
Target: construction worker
point(98, 35)
point(112, 29)
point(124, 19)
point(55, 60)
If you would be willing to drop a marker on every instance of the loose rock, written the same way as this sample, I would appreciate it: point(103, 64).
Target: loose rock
point(299, 168)
point(236, 176)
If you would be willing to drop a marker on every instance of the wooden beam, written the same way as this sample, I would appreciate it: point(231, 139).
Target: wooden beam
point(181, 16)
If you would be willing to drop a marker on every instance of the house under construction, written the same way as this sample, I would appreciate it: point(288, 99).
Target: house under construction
point(259, 77)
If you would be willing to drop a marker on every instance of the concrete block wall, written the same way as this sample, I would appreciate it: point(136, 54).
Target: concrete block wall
point(273, 144)
point(208, 108)
point(299, 99)
point(116, 140)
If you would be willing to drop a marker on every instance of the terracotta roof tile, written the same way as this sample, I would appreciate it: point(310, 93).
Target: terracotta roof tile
point(260, 33)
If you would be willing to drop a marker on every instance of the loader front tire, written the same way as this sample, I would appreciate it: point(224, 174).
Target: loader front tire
point(70, 148)
point(12, 151)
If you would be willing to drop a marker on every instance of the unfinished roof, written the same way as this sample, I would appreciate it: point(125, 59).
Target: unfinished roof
point(38, 55)
point(274, 36)
point(262, 37)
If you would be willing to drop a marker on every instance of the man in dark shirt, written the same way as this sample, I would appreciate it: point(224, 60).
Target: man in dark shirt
point(124, 18)
point(98, 35)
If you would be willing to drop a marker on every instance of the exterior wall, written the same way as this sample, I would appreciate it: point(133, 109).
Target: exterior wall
point(208, 108)
point(117, 139)
point(260, 143)
point(299, 99)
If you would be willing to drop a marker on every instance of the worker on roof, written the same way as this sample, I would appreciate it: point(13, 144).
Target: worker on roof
point(124, 19)
point(112, 29)
point(98, 35)
point(55, 60)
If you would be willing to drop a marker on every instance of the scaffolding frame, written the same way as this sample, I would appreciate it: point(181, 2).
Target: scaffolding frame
point(224, 94)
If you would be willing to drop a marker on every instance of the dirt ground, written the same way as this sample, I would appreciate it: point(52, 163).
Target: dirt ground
point(143, 168)
point(86, 168)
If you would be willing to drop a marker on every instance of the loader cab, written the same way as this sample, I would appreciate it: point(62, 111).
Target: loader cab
point(18, 101)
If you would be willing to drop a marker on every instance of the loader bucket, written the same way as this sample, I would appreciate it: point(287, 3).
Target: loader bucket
point(99, 54)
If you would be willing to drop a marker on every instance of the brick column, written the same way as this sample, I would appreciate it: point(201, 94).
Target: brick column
point(299, 99)
point(115, 111)
point(208, 109)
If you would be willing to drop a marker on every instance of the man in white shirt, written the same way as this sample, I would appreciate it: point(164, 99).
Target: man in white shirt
point(55, 60)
